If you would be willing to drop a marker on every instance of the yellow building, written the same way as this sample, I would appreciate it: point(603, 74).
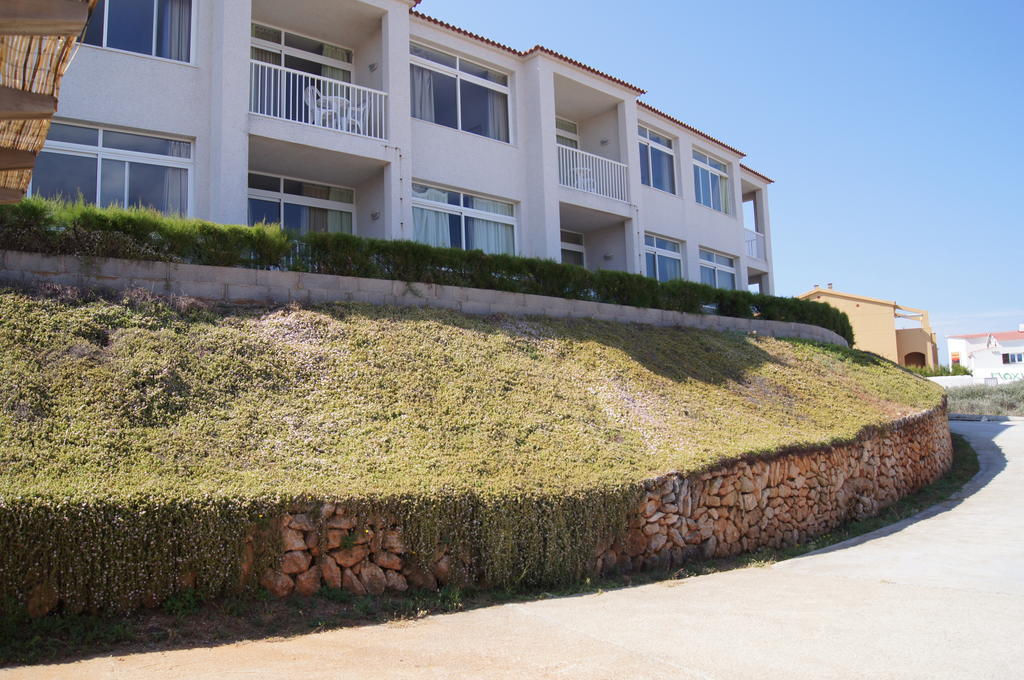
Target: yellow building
point(874, 327)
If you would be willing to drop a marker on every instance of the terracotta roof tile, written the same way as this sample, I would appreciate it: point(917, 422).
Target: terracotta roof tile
point(520, 53)
point(755, 172)
point(1005, 336)
point(691, 128)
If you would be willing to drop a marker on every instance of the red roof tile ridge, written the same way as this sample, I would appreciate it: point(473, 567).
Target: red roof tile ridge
point(755, 172)
point(533, 50)
point(691, 128)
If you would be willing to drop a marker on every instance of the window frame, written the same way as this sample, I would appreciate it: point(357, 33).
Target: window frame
point(463, 212)
point(307, 201)
point(580, 247)
point(101, 153)
point(285, 50)
point(718, 266)
point(193, 27)
point(1010, 358)
point(651, 247)
point(725, 179)
point(644, 133)
point(460, 75)
point(565, 134)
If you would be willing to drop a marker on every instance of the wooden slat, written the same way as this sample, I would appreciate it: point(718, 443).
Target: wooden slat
point(16, 159)
point(22, 105)
point(42, 17)
point(11, 195)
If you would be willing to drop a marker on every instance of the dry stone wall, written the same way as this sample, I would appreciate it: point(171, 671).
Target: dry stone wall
point(741, 506)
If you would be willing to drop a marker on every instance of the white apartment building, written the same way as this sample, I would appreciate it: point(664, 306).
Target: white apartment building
point(991, 357)
point(367, 117)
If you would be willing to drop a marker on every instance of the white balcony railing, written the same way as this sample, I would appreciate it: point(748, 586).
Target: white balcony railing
point(592, 173)
point(305, 98)
point(756, 246)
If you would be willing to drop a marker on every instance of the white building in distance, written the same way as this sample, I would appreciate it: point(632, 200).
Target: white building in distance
point(367, 117)
point(998, 356)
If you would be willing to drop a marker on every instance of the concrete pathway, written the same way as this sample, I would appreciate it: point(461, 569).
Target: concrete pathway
point(940, 596)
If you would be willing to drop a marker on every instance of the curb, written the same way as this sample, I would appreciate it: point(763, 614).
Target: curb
point(986, 419)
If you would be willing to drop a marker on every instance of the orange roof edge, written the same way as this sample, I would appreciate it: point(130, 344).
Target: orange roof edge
point(757, 174)
point(691, 128)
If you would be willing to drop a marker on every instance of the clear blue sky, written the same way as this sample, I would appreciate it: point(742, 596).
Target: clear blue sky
point(894, 129)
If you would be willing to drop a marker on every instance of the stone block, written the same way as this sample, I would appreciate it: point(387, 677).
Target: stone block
point(582, 309)
point(208, 274)
point(199, 289)
point(470, 307)
point(33, 262)
point(277, 278)
point(248, 294)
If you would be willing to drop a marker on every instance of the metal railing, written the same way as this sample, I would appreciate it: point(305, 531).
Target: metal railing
point(592, 173)
point(305, 98)
point(756, 245)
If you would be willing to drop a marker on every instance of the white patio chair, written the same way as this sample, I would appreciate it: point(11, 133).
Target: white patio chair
point(583, 179)
point(336, 113)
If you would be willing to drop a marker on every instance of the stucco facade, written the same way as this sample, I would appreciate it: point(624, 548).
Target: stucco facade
point(996, 357)
point(543, 156)
point(874, 327)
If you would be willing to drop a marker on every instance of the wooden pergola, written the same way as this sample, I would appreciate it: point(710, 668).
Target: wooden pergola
point(37, 41)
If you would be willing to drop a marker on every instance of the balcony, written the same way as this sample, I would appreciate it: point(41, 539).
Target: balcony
point(592, 173)
point(756, 246)
point(301, 97)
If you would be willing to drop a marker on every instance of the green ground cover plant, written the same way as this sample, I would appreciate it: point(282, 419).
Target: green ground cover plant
point(938, 371)
point(988, 400)
point(141, 439)
point(67, 636)
point(62, 228)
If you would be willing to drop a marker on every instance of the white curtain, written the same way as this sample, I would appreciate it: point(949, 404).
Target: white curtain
point(422, 94)
point(494, 238)
point(497, 104)
point(431, 227)
point(174, 23)
point(176, 191)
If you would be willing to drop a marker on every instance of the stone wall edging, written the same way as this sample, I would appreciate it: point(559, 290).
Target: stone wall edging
point(235, 285)
point(740, 505)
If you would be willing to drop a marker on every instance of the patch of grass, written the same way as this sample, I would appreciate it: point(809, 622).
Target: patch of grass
point(988, 400)
point(54, 638)
point(519, 443)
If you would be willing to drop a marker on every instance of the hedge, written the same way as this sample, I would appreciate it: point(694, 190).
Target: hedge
point(63, 228)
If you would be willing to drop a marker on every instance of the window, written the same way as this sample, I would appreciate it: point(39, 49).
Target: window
point(299, 206)
point(664, 258)
point(567, 133)
point(108, 167)
point(451, 219)
point(717, 270)
point(162, 28)
point(1014, 358)
point(458, 93)
point(657, 161)
point(299, 53)
point(711, 182)
point(572, 249)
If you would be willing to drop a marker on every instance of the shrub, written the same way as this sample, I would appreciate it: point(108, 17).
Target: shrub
point(64, 228)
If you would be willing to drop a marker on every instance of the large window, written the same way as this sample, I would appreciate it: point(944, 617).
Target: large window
point(717, 270)
point(1013, 358)
point(711, 182)
point(657, 161)
point(451, 219)
point(108, 167)
point(162, 28)
point(664, 258)
point(299, 206)
point(458, 93)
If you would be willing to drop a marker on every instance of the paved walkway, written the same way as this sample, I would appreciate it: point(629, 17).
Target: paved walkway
point(938, 597)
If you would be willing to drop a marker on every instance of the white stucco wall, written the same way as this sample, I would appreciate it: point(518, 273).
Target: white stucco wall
point(207, 102)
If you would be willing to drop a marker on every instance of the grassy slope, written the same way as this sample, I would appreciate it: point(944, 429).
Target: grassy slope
point(108, 399)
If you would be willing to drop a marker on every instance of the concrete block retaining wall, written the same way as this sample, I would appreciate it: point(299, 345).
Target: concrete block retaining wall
point(258, 287)
point(740, 506)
